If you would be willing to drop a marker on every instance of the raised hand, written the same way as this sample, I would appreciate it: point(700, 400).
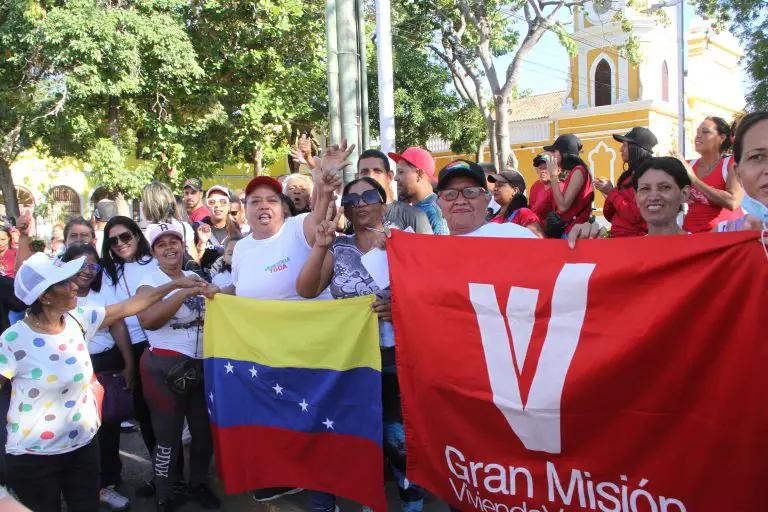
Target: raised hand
point(330, 181)
point(204, 233)
point(24, 224)
point(334, 158)
point(325, 233)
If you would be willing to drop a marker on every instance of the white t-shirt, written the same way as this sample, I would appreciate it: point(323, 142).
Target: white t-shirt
point(184, 331)
point(53, 409)
point(267, 269)
point(133, 274)
point(222, 279)
point(506, 230)
point(102, 340)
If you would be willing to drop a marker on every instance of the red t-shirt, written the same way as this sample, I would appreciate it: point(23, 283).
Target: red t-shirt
point(702, 215)
point(199, 214)
point(540, 199)
point(522, 217)
point(7, 263)
point(582, 205)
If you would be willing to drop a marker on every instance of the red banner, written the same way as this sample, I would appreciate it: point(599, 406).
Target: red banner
point(625, 375)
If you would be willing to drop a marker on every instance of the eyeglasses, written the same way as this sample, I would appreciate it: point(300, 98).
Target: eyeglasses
point(451, 194)
point(370, 196)
point(221, 202)
point(93, 267)
point(123, 237)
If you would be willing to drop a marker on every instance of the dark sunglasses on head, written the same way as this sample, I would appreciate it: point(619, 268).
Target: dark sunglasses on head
point(370, 196)
point(123, 237)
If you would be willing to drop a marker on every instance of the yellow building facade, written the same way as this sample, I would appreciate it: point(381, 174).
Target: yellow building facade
point(607, 95)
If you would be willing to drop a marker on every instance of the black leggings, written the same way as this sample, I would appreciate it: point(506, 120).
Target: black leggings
point(168, 412)
point(40, 480)
point(109, 433)
point(140, 408)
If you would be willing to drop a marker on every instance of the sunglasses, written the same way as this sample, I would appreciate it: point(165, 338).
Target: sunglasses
point(221, 202)
point(123, 237)
point(370, 196)
point(451, 194)
point(93, 267)
point(234, 214)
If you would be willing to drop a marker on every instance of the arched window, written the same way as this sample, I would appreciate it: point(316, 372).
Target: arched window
point(99, 194)
point(63, 203)
point(664, 82)
point(26, 201)
point(602, 84)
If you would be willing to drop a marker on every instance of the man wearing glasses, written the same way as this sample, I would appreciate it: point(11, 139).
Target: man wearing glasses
point(463, 199)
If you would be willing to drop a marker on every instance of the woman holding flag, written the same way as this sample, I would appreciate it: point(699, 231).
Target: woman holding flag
point(336, 262)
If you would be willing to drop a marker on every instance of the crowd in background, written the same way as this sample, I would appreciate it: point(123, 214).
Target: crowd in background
point(120, 303)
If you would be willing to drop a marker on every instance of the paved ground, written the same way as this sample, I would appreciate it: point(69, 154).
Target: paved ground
point(137, 469)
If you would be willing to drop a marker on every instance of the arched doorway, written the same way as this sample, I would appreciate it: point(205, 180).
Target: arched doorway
point(63, 203)
point(25, 199)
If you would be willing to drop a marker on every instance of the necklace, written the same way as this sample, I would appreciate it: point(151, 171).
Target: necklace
point(705, 172)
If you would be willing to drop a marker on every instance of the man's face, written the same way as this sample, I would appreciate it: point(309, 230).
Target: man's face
point(218, 205)
point(373, 167)
point(463, 215)
point(298, 192)
point(192, 198)
point(407, 179)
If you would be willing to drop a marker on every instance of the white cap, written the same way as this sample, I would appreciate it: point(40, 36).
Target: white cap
point(155, 231)
point(39, 273)
point(218, 188)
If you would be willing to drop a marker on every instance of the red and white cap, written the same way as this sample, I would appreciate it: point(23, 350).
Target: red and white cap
point(155, 231)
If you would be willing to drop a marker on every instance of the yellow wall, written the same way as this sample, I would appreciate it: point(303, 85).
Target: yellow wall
point(575, 80)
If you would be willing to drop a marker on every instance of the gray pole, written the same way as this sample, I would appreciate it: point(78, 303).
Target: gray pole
point(386, 81)
point(334, 121)
point(681, 76)
point(349, 77)
point(362, 41)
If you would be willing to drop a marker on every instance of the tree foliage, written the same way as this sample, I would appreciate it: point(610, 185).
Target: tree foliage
point(747, 20)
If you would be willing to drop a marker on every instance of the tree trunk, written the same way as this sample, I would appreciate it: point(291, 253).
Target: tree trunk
point(256, 159)
point(8, 188)
point(492, 143)
point(113, 120)
point(502, 132)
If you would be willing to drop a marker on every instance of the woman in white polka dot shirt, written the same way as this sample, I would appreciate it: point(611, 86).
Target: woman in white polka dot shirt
point(53, 416)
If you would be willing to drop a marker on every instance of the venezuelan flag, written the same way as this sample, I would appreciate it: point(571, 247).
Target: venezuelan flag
point(294, 395)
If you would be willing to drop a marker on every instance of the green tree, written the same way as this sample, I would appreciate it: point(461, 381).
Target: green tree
point(747, 20)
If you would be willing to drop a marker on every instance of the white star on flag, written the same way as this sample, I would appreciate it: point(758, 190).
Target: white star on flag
point(278, 389)
point(254, 371)
point(328, 424)
point(229, 367)
point(211, 397)
point(303, 404)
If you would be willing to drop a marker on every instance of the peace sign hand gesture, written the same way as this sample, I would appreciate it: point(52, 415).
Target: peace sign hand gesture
point(325, 233)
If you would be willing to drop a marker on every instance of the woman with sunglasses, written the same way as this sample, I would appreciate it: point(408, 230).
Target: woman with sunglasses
point(52, 448)
point(110, 351)
point(336, 262)
point(174, 326)
point(126, 259)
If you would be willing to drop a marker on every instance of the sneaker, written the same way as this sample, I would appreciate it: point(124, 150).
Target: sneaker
point(112, 499)
point(204, 497)
point(273, 493)
point(127, 427)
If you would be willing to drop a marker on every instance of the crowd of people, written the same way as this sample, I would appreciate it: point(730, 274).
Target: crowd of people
point(116, 308)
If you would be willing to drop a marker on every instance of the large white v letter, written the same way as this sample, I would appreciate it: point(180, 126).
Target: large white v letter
point(536, 423)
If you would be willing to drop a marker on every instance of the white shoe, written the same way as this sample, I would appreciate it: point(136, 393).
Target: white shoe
point(109, 497)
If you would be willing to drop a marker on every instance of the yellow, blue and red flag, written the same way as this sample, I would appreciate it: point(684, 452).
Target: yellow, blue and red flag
point(294, 395)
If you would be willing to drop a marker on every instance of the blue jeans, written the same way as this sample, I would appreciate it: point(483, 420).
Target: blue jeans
point(323, 502)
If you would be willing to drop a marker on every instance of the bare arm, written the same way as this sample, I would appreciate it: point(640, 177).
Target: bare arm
point(158, 314)
point(23, 252)
point(729, 198)
point(122, 337)
point(564, 200)
point(536, 228)
point(148, 296)
point(315, 275)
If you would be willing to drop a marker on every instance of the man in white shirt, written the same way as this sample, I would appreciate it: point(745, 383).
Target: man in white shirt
point(463, 198)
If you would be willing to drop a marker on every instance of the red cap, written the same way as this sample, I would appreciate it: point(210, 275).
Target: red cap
point(417, 157)
point(267, 181)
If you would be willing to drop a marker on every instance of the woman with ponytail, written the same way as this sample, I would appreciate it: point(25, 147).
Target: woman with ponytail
point(716, 193)
point(620, 208)
point(509, 192)
point(573, 204)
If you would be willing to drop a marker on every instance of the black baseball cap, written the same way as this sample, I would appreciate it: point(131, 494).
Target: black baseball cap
point(194, 184)
point(514, 178)
point(639, 136)
point(540, 159)
point(461, 168)
point(566, 144)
